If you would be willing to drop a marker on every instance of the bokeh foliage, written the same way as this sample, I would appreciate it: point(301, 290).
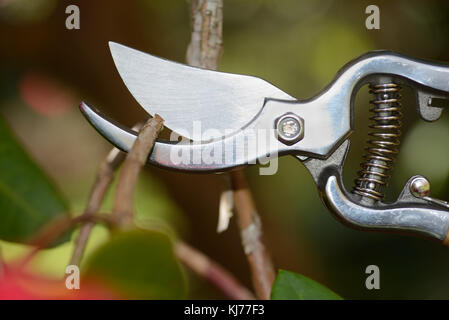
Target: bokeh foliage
point(28, 200)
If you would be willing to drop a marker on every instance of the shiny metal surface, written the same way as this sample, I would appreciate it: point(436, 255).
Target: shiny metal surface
point(327, 173)
point(420, 188)
point(384, 142)
point(406, 214)
point(422, 219)
point(289, 128)
point(165, 154)
point(249, 106)
point(182, 94)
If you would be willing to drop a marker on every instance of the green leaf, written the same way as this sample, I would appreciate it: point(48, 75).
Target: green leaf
point(140, 265)
point(28, 199)
point(293, 286)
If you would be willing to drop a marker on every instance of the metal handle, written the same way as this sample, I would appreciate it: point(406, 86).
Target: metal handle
point(408, 213)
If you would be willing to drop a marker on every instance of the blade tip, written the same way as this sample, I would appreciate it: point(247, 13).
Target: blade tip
point(83, 107)
point(113, 46)
point(86, 110)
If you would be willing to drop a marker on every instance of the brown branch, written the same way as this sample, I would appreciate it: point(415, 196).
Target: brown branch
point(55, 229)
point(123, 205)
point(123, 211)
point(101, 185)
point(103, 180)
point(248, 220)
point(189, 256)
point(135, 160)
point(205, 267)
point(204, 51)
point(212, 272)
point(205, 46)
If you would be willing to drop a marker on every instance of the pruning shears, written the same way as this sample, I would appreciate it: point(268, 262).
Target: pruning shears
point(240, 113)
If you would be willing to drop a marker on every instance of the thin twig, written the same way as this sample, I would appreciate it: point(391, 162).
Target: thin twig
point(204, 51)
point(212, 272)
point(191, 257)
point(205, 267)
point(123, 207)
point(205, 46)
point(55, 229)
point(103, 180)
point(135, 160)
point(248, 220)
point(123, 210)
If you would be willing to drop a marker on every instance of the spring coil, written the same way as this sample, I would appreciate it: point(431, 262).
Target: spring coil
point(382, 149)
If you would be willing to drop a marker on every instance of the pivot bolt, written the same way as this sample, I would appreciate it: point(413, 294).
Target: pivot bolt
point(289, 128)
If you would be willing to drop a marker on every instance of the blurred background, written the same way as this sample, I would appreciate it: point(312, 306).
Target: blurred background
point(298, 45)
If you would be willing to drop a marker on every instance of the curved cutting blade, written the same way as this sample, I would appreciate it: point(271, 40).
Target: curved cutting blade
point(223, 102)
point(167, 154)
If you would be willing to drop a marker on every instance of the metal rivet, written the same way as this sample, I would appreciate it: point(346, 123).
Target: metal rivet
point(289, 128)
point(420, 187)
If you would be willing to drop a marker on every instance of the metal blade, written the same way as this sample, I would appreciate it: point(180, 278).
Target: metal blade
point(182, 94)
point(166, 154)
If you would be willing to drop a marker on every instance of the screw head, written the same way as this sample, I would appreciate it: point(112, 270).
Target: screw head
point(420, 187)
point(289, 128)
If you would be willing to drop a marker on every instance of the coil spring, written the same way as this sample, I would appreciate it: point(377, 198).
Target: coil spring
point(382, 149)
